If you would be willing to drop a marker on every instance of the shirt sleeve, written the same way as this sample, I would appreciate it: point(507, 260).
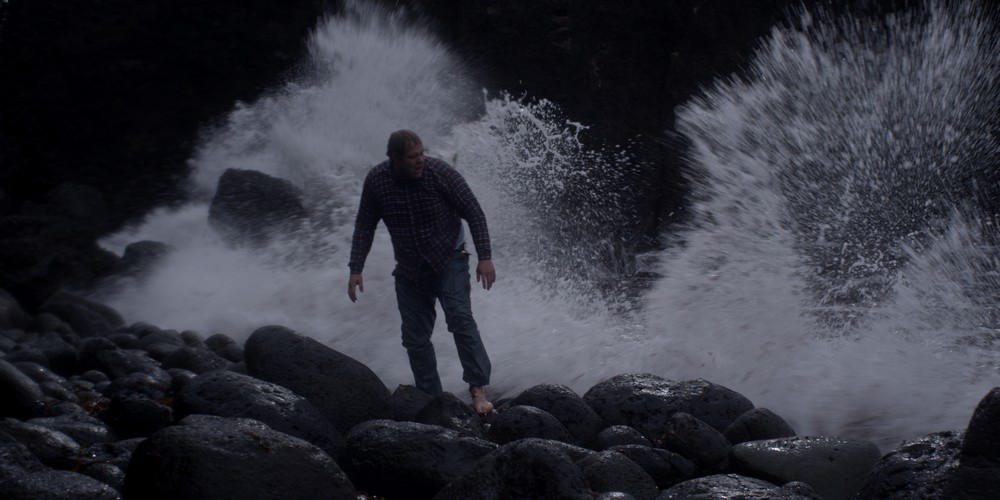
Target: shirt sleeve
point(465, 203)
point(364, 226)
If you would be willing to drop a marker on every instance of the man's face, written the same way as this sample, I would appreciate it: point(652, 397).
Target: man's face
point(411, 164)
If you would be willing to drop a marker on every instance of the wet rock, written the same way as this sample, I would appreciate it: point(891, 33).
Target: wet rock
point(180, 378)
point(982, 437)
point(225, 346)
point(345, 390)
point(835, 467)
point(228, 394)
point(56, 484)
point(407, 401)
point(193, 339)
point(134, 415)
point(23, 354)
point(528, 468)
point(37, 372)
point(21, 396)
point(12, 315)
point(197, 360)
point(696, 440)
point(45, 323)
point(757, 424)
point(447, 411)
point(106, 473)
point(408, 459)
point(612, 471)
point(665, 467)
point(83, 429)
point(918, 468)
point(118, 453)
point(725, 486)
point(61, 356)
point(101, 354)
point(140, 258)
point(251, 207)
point(161, 343)
point(519, 422)
point(646, 401)
point(231, 458)
point(150, 385)
point(16, 459)
point(58, 391)
point(616, 435)
point(53, 448)
point(125, 341)
point(566, 406)
point(85, 317)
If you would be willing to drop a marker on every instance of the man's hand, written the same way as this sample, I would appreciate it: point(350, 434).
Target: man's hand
point(486, 273)
point(356, 282)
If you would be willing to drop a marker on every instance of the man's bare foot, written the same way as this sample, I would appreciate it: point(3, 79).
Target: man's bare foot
point(479, 403)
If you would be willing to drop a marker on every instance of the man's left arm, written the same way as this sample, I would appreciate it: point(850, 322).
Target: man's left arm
point(468, 208)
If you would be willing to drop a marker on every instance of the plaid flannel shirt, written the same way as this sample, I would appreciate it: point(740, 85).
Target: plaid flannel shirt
point(423, 217)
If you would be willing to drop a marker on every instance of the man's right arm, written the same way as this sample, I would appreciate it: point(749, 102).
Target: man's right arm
point(364, 234)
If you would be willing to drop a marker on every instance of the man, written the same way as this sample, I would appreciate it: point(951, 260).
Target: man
point(422, 201)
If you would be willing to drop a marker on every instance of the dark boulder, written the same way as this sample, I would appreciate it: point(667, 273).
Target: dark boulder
point(253, 208)
point(565, 405)
point(665, 467)
point(197, 360)
point(136, 415)
point(12, 315)
point(616, 435)
point(38, 373)
point(407, 401)
point(56, 485)
point(53, 448)
point(447, 411)
point(408, 459)
point(61, 356)
point(725, 486)
point(88, 318)
point(42, 254)
point(345, 391)
point(519, 422)
point(757, 424)
point(696, 440)
point(228, 394)
point(140, 258)
point(611, 471)
point(646, 402)
point(918, 468)
point(217, 457)
point(21, 396)
point(528, 468)
point(225, 346)
point(834, 467)
point(83, 429)
point(16, 459)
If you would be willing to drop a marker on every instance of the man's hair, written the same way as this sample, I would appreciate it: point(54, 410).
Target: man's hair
point(398, 141)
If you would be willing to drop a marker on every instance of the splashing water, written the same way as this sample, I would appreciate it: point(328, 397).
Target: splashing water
point(832, 272)
point(835, 271)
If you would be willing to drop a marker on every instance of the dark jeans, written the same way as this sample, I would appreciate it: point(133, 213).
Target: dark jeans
point(416, 307)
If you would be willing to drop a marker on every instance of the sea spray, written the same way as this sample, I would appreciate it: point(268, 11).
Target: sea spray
point(823, 275)
point(370, 74)
point(828, 223)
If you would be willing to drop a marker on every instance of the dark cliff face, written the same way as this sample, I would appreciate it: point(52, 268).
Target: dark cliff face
point(112, 93)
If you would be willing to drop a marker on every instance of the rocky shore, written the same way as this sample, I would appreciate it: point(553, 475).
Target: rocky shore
point(96, 408)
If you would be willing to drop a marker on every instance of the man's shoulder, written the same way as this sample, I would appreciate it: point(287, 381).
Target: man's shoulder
point(440, 167)
point(378, 171)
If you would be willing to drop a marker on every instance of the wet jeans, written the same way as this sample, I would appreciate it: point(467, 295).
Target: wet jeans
point(416, 307)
